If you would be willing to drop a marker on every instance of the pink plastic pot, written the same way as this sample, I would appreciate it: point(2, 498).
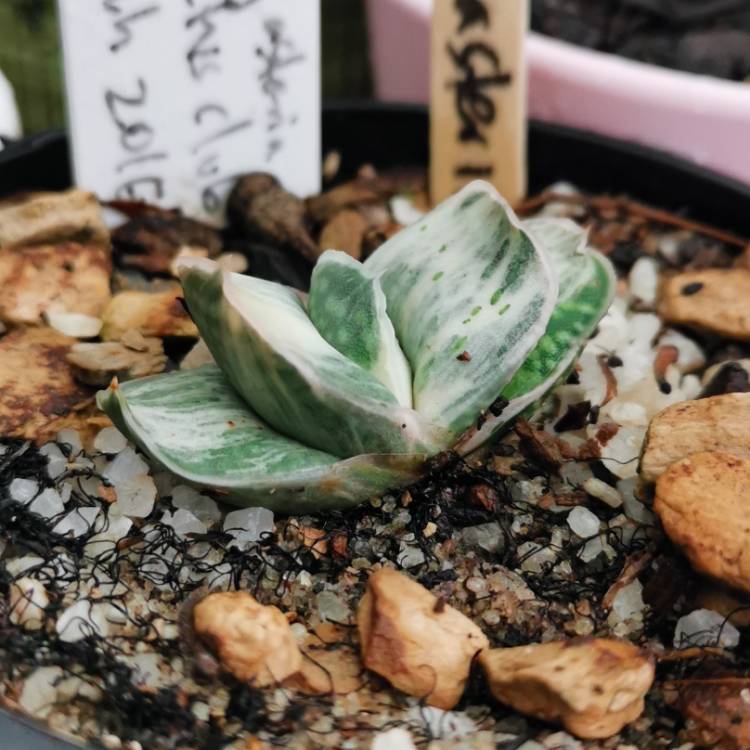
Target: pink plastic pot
point(702, 119)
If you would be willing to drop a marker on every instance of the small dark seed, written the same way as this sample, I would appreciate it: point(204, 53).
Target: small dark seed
point(693, 288)
point(594, 414)
point(664, 387)
point(464, 357)
point(439, 605)
point(614, 361)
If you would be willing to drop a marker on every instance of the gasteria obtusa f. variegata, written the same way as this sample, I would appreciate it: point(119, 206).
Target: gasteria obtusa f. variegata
point(447, 332)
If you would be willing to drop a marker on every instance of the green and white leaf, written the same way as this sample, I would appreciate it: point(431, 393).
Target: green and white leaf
point(466, 278)
point(348, 308)
point(263, 340)
point(585, 298)
point(194, 424)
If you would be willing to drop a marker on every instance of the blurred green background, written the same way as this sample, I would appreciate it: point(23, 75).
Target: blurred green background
point(30, 56)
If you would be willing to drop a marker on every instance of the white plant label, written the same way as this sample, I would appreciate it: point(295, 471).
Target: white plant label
point(170, 100)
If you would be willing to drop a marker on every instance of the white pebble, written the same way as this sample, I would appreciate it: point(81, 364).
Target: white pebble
point(56, 461)
point(135, 497)
point(81, 619)
point(628, 604)
point(19, 565)
point(184, 522)
point(77, 325)
point(404, 211)
point(644, 280)
point(110, 441)
point(704, 627)
point(201, 506)
point(48, 504)
point(23, 490)
point(246, 526)
point(583, 523)
point(127, 465)
point(28, 599)
point(409, 555)
point(393, 739)
point(535, 557)
point(40, 691)
point(72, 439)
point(602, 491)
point(106, 540)
point(78, 522)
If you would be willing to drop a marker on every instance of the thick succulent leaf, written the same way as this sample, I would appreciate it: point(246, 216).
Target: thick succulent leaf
point(195, 425)
point(469, 294)
point(263, 340)
point(348, 308)
point(575, 317)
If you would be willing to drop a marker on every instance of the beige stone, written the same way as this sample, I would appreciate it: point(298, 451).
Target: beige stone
point(67, 277)
point(252, 641)
point(132, 357)
point(150, 313)
point(345, 231)
point(715, 299)
point(594, 687)
point(719, 423)
point(48, 217)
point(422, 646)
point(703, 502)
point(28, 599)
point(37, 386)
point(327, 668)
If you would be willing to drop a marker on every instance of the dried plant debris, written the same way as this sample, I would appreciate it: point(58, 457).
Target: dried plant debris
point(152, 238)
point(546, 544)
point(67, 277)
point(45, 218)
point(261, 209)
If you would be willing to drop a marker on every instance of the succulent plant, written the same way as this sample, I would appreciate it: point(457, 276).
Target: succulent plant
point(436, 342)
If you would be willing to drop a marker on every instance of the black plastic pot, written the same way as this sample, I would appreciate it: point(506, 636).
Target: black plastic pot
point(389, 136)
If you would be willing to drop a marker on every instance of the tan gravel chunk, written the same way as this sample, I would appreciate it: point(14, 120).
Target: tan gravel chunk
point(715, 299)
point(48, 217)
point(253, 642)
point(326, 669)
point(594, 687)
point(67, 277)
point(345, 231)
point(422, 646)
point(719, 423)
point(703, 502)
point(97, 363)
point(149, 313)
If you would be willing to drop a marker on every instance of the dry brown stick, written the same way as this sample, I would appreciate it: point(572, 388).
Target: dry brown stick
point(638, 209)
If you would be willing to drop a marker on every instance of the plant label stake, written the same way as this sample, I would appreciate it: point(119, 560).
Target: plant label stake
point(169, 100)
point(478, 98)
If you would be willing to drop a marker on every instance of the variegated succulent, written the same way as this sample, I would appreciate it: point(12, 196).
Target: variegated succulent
point(437, 341)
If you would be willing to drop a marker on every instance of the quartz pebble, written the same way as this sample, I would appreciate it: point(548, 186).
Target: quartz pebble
point(78, 522)
point(246, 526)
point(331, 608)
point(48, 504)
point(117, 528)
point(602, 491)
point(56, 461)
point(23, 490)
point(644, 280)
point(184, 522)
point(201, 506)
point(627, 609)
point(583, 523)
point(127, 465)
point(135, 497)
point(486, 536)
point(71, 439)
point(703, 627)
point(110, 441)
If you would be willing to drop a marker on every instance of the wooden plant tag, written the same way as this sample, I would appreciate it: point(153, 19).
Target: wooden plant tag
point(478, 98)
point(170, 100)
